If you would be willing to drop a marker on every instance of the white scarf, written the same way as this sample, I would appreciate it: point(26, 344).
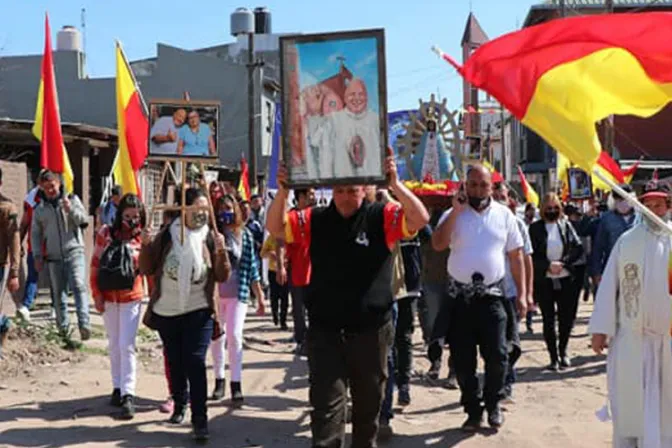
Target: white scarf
point(190, 255)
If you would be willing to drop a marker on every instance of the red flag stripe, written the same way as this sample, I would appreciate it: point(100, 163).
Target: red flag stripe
point(609, 164)
point(136, 131)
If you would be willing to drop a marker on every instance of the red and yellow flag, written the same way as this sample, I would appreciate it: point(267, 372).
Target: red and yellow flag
point(496, 176)
point(47, 127)
point(132, 128)
point(244, 183)
point(629, 174)
point(562, 77)
point(531, 196)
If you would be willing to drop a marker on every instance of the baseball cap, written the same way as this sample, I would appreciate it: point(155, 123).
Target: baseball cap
point(655, 189)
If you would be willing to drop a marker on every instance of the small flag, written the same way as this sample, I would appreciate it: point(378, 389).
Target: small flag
point(132, 128)
point(531, 196)
point(496, 177)
point(244, 183)
point(47, 127)
point(654, 176)
point(629, 174)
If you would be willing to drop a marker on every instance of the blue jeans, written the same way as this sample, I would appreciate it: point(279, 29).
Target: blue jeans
point(30, 290)
point(186, 339)
point(71, 270)
point(386, 413)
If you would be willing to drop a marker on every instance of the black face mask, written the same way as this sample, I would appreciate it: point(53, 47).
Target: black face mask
point(478, 203)
point(552, 215)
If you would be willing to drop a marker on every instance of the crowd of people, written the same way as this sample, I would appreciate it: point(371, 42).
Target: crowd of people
point(358, 271)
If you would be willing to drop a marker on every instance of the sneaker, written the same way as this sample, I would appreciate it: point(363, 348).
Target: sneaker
point(473, 422)
point(127, 407)
point(508, 399)
point(496, 418)
point(218, 393)
point(236, 393)
point(553, 366)
point(85, 333)
point(115, 399)
point(451, 382)
point(23, 314)
point(385, 431)
point(167, 406)
point(201, 433)
point(565, 362)
point(178, 415)
point(404, 398)
point(433, 372)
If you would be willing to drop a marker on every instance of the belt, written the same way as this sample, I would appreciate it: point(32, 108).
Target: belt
point(469, 290)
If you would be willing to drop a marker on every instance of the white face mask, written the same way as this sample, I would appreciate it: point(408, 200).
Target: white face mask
point(623, 207)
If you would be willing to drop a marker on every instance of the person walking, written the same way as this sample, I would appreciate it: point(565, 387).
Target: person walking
point(10, 245)
point(117, 291)
point(556, 248)
point(234, 295)
point(481, 234)
point(277, 278)
point(350, 331)
point(182, 307)
point(58, 244)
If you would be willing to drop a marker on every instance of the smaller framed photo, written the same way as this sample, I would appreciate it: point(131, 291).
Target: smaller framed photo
point(580, 186)
point(183, 129)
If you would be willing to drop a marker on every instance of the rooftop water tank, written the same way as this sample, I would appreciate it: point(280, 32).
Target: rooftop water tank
point(262, 20)
point(69, 39)
point(242, 22)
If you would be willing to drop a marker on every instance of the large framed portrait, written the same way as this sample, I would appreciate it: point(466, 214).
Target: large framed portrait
point(334, 108)
point(183, 129)
point(580, 186)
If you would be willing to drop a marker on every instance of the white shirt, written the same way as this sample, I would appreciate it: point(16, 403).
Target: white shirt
point(510, 289)
point(554, 248)
point(480, 242)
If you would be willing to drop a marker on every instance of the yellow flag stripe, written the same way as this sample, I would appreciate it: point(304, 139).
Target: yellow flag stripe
point(37, 126)
point(568, 101)
point(122, 170)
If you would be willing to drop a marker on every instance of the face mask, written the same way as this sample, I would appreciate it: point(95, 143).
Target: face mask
point(227, 218)
point(623, 207)
point(478, 203)
point(131, 224)
point(552, 215)
point(198, 220)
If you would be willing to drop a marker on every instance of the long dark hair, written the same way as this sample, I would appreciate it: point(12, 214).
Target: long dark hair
point(128, 201)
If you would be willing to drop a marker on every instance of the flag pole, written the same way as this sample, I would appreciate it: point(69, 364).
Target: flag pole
point(135, 81)
point(633, 201)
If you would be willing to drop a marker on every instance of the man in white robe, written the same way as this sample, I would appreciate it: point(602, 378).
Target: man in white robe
point(632, 317)
point(348, 140)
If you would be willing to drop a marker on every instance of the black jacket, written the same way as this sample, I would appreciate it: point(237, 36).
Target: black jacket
point(572, 248)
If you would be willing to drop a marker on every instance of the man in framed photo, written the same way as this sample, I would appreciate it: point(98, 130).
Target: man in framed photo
point(163, 135)
point(195, 139)
point(348, 140)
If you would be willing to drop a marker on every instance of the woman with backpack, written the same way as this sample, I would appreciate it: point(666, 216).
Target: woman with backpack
point(234, 295)
point(117, 292)
point(186, 263)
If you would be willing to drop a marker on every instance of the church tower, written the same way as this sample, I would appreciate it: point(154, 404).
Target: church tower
point(473, 37)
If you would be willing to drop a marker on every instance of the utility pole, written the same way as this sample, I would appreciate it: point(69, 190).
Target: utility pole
point(505, 156)
point(251, 66)
point(563, 11)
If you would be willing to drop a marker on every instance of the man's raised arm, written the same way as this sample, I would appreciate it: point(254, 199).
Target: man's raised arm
point(275, 217)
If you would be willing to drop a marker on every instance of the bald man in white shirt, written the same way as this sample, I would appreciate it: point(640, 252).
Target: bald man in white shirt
point(481, 233)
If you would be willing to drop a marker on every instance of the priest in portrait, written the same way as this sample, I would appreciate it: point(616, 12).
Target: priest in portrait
point(632, 318)
point(347, 140)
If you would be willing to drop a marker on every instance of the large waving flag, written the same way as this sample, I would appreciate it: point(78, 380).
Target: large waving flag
point(531, 196)
point(562, 77)
point(132, 128)
point(47, 127)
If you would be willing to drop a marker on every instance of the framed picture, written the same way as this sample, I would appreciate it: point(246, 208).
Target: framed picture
point(334, 108)
point(183, 129)
point(580, 186)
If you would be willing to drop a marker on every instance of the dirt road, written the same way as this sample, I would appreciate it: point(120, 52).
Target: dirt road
point(64, 403)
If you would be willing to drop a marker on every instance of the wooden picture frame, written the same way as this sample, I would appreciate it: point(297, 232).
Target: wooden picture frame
point(170, 140)
point(580, 185)
point(334, 106)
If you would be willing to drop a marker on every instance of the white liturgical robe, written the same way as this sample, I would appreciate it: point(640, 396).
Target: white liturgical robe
point(336, 136)
point(633, 308)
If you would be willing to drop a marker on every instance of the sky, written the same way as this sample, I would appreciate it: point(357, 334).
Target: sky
point(360, 57)
point(411, 28)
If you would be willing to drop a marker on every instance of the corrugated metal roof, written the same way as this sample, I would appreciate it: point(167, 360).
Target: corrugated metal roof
point(633, 3)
